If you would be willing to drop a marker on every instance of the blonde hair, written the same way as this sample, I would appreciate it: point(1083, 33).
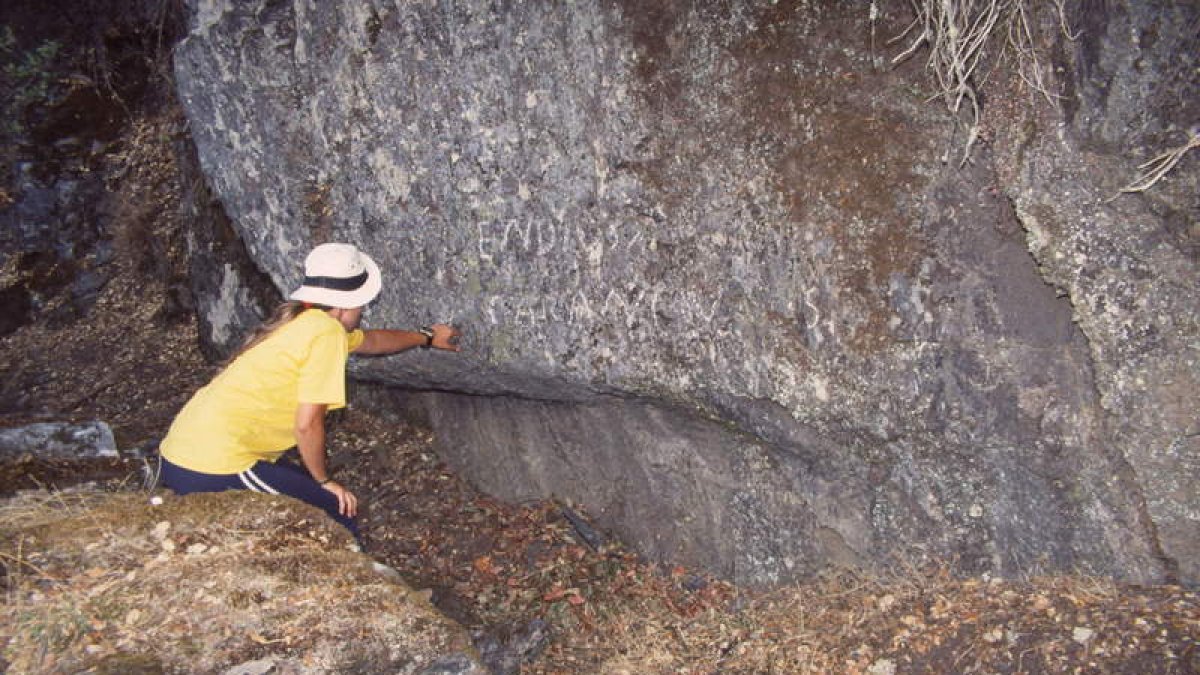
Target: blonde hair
point(282, 315)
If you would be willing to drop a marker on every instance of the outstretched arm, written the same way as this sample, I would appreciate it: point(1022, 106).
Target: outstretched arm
point(388, 341)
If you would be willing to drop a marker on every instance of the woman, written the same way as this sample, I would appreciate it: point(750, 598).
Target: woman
point(275, 392)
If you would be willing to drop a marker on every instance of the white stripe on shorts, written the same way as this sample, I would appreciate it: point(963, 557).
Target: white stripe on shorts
point(255, 483)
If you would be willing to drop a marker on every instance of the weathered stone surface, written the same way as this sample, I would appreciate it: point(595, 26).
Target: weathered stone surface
point(58, 440)
point(1128, 263)
point(229, 290)
point(717, 282)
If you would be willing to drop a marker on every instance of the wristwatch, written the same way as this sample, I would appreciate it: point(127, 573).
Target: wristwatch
point(428, 333)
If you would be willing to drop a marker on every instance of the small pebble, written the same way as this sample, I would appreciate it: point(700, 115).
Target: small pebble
point(883, 667)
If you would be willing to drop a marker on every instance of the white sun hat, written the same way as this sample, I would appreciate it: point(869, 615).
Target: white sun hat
point(339, 275)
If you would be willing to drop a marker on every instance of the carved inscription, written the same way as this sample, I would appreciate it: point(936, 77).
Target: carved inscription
point(583, 259)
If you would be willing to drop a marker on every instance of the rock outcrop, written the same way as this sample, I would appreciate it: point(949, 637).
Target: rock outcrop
point(58, 440)
point(723, 279)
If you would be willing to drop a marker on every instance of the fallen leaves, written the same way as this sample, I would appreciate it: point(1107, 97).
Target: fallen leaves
point(258, 638)
point(573, 596)
point(483, 564)
point(500, 565)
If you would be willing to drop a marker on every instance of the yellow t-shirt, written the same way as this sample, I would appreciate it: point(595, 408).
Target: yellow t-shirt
point(248, 412)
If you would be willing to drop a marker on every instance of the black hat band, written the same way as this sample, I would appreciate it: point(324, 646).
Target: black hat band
point(336, 283)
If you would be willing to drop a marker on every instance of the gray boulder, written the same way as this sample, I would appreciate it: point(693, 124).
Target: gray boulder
point(720, 284)
point(58, 440)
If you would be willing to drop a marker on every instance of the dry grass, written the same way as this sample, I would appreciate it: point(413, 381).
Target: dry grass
point(199, 584)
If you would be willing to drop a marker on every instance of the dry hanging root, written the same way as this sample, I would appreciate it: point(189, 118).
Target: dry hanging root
point(956, 35)
point(959, 35)
point(1155, 169)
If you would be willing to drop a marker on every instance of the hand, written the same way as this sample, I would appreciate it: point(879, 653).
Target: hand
point(347, 502)
point(445, 337)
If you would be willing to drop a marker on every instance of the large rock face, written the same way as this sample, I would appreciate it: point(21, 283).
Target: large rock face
point(719, 283)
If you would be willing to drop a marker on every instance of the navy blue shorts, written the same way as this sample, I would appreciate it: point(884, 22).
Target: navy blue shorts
point(278, 478)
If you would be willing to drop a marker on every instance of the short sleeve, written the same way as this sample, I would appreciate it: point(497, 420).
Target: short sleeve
point(323, 371)
point(355, 339)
